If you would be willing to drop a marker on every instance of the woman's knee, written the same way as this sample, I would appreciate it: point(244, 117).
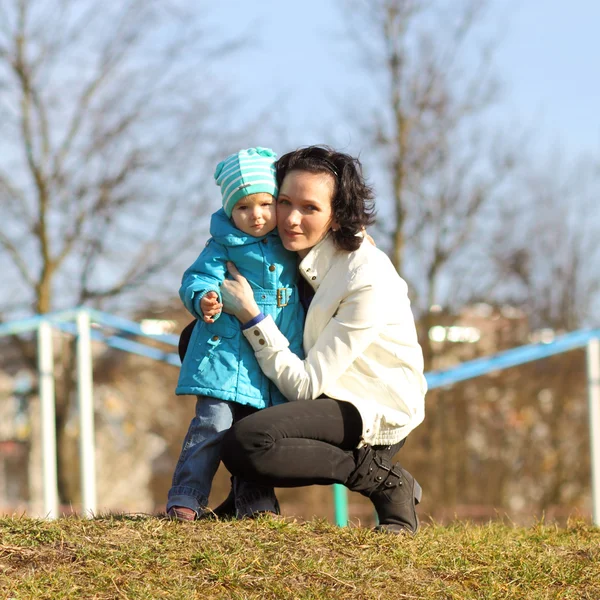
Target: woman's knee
point(242, 445)
point(230, 450)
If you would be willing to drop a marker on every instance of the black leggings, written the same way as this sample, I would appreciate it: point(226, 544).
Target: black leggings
point(307, 442)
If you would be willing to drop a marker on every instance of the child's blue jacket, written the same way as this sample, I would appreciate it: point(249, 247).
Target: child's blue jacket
point(219, 361)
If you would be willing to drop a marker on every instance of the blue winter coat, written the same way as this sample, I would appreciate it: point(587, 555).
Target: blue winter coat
point(219, 361)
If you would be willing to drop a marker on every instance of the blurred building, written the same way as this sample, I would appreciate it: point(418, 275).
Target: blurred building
point(476, 330)
point(14, 439)
point(131, 398)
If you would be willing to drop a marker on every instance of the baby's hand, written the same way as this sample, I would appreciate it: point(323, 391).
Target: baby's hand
point(210, 306)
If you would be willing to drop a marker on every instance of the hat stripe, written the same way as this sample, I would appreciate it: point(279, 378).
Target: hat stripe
point(268, 182)
point(248, 177)
point(247, 160)
point(235, 167)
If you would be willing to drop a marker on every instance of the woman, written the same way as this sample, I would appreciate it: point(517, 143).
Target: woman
point(360, 390)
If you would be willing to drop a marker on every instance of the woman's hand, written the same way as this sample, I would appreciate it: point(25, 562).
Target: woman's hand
point(238, 297)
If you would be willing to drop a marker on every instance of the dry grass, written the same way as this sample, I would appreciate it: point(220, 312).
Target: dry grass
point(147, 557)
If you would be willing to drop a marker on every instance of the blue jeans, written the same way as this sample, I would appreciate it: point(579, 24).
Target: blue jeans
point(200, 457)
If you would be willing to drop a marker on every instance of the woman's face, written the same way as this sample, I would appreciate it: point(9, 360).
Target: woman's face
point(304, 212)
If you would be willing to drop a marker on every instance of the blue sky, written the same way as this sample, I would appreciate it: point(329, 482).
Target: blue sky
point(547, 59)
point(550, 61)
point(296, 58)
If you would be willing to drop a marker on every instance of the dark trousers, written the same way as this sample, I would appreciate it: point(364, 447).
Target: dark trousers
point(308, 442)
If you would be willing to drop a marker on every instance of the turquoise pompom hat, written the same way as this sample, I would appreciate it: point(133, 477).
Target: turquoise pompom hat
point(244, 173)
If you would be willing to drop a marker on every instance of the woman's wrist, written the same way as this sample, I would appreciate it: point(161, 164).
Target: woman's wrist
point(246, 314)
point(252, 322)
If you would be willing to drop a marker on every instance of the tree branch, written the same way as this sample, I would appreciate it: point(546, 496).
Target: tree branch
point(17, 258)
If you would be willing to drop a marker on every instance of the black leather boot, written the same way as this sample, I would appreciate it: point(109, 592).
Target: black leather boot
point(392, 489)
point(226, 510)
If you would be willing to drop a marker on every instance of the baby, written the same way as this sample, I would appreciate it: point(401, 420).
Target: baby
point(219, 366)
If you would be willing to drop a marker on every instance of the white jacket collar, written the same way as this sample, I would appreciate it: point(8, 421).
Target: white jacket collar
point(315, 265)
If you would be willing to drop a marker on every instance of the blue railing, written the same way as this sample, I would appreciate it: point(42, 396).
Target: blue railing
point(510, 358)
point(63, 320)
point(121, 330)
point(474, 368)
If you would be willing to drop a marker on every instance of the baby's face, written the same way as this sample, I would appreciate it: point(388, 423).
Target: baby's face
point(255, 214)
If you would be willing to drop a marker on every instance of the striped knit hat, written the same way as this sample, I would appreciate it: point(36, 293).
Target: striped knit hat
point(246, 172)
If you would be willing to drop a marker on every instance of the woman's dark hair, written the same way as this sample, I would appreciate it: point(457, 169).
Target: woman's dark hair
point(352, 201)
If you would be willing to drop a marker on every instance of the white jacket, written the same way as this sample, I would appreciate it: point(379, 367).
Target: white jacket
point(360, 342)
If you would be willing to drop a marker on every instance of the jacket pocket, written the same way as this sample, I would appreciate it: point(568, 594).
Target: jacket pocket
point(208, 338)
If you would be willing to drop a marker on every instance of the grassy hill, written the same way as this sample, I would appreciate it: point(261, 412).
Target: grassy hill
point(147, 557)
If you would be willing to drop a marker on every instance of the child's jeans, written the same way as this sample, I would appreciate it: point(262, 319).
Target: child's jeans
point(200, 457)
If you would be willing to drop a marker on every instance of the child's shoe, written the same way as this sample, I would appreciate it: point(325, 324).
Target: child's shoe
point(182, 513)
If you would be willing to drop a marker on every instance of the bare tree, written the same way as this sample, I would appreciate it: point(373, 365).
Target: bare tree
point(433, 86)
point(108, 127)
point(111, 117)
point(546, 252)
point(545, 258)
point(451, 184)
point(472, 216)
point(526, 428)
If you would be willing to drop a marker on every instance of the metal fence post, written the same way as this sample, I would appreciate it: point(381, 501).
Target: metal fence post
point(340, 503)
point(593, 370)
point(48, 416)
point(87, 445)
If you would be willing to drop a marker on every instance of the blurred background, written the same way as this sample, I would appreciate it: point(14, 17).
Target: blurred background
point(476, 122)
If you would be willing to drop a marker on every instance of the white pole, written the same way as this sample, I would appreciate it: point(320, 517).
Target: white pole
point(593, 368)
point(87, 447)
point(47, 400)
